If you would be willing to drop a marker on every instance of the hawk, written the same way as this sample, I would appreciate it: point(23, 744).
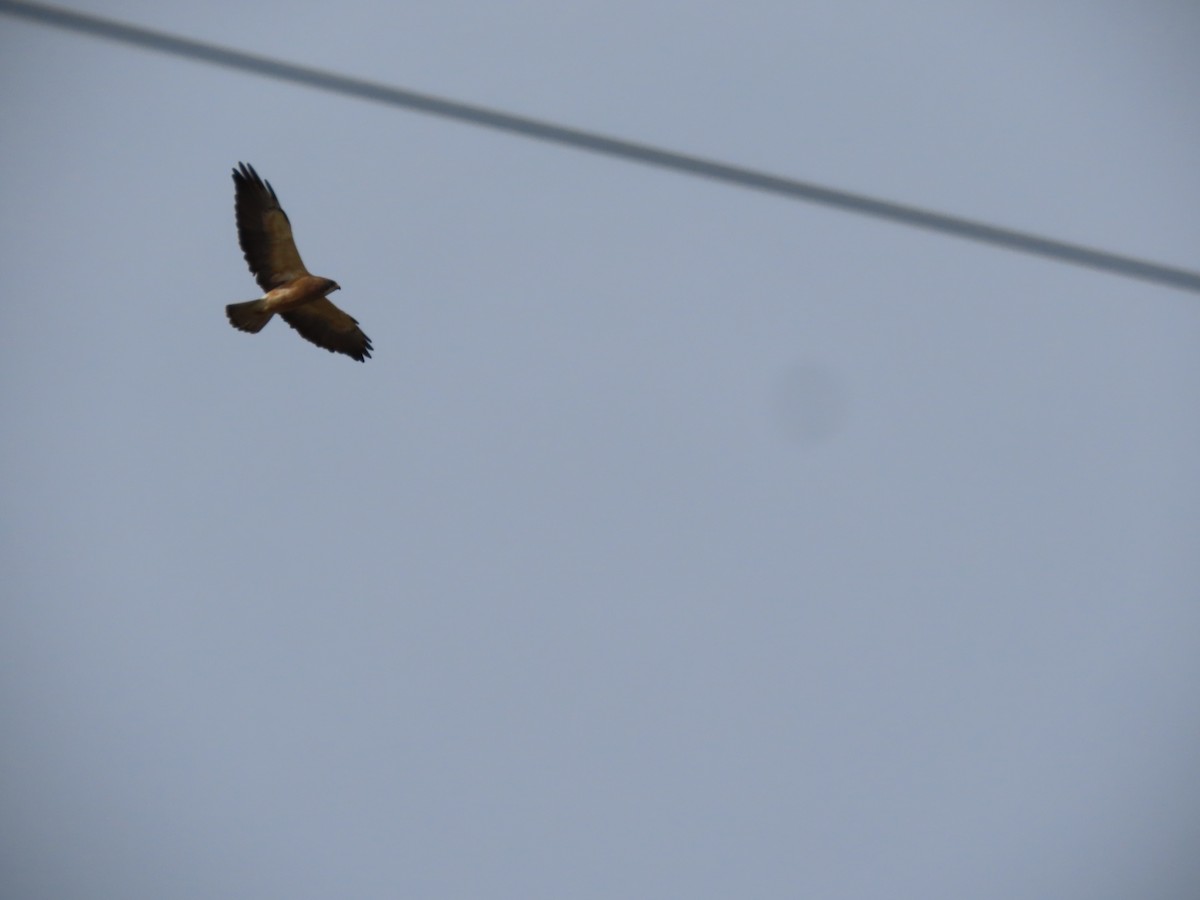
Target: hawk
point(300, 297)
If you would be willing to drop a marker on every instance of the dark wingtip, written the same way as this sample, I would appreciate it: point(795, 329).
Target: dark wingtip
point(358, 355)
point(245, 174)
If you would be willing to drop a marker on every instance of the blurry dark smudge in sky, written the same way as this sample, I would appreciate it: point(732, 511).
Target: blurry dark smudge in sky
point(808, 403)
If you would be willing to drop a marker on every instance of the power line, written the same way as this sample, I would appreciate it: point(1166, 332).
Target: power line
point(1010, 239)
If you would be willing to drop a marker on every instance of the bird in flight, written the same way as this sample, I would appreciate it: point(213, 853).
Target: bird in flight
point(289, 289)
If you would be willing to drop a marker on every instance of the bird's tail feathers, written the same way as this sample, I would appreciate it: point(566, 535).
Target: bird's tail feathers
point(249, 316)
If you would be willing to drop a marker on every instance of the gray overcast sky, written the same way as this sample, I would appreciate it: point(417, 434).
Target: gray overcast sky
point(679, 540)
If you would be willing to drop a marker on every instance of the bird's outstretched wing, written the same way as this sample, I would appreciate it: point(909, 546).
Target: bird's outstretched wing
point(264, 231)
point(327, 326)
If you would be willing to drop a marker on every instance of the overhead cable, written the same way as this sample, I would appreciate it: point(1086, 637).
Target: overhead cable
point(955, 226)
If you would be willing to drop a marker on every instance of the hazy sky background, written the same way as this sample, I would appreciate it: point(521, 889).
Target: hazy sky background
point(679, 540)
